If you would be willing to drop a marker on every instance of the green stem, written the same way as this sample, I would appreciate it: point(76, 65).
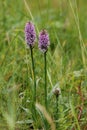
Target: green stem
point(57, 105)
point(33, 67)
point(57, 110)
point(45, 71)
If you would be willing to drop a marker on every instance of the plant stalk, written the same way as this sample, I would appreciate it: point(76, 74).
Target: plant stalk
point(56, 110)
point(57, 105)
point(45, 78)
point(33, 67)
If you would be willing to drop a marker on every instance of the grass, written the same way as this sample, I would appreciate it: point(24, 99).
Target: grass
point(66, 22)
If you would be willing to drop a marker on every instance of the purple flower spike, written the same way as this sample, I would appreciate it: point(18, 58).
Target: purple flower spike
point(43, 41)
point(30, 34)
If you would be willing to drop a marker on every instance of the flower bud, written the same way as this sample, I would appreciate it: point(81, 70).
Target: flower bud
point(56, 91)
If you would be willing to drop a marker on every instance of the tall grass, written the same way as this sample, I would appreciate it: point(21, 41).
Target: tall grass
point(66, 65)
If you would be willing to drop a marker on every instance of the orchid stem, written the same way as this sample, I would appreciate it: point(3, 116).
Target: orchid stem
point(45, 71)
point(33, 67)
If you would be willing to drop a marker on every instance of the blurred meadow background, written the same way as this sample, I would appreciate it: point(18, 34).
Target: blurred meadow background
point(66, 23)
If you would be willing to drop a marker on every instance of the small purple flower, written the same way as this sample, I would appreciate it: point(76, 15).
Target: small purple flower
point(43, 41)
point(30, 34)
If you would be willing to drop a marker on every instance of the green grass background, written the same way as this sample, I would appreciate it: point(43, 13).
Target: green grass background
point(66, 22)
